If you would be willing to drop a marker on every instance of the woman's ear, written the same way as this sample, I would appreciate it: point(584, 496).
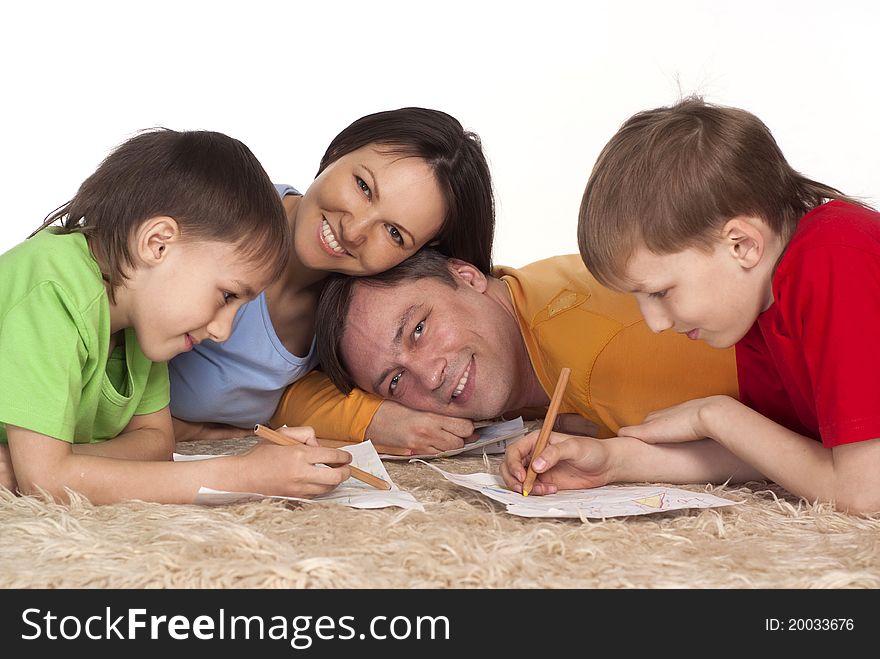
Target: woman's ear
point(746, 240)
point(153, 238)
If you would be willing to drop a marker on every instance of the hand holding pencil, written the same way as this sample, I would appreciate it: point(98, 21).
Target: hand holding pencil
point(301, 469)
point(277, 437)
point(541, 464)
point(547, 426)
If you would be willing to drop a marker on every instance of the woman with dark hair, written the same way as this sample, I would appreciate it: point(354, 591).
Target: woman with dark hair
point(388, 184)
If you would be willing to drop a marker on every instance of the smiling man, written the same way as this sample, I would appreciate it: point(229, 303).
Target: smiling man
point(435, 334)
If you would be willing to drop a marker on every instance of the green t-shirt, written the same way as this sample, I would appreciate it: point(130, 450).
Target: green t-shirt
point(56, 376)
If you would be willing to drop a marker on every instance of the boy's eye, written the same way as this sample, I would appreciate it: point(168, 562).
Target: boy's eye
point(227, 296)
point(395, 234)
point(362, 184)
point(659, 294)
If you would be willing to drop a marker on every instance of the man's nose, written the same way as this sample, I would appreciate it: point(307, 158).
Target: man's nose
point(430, 370)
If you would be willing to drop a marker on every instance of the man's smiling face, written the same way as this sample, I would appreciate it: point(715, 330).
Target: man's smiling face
point(432, 347)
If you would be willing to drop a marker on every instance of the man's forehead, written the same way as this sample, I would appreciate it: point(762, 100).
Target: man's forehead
point(380, 301)
point(375, 312)
point(367, 298)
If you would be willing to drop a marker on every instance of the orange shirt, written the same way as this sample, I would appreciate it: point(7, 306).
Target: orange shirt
point(620, 370)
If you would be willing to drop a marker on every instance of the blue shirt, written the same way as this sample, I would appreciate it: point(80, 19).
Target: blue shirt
point(240, 381)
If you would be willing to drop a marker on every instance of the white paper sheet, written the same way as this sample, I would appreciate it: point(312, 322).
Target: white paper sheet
point(352, 492)
point(494, 438)
point(597, 503)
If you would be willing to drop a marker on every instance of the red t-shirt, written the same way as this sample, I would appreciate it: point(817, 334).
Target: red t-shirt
point(811, 362)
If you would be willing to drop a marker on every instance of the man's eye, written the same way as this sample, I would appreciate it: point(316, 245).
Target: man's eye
point(393, 384)
point(417, 332)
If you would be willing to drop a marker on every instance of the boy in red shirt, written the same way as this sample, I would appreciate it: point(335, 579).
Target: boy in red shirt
point(694, 210)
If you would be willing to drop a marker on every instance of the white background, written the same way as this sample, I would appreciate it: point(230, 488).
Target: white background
point(545, 84)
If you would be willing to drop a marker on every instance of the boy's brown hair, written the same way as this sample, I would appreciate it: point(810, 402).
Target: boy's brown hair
point(211, 184)
point(671, 177)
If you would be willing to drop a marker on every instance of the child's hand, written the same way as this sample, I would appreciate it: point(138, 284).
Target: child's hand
point(423, 432)
point(686, 422)
point(294, 471)
point(566, 463)
point(7, 473)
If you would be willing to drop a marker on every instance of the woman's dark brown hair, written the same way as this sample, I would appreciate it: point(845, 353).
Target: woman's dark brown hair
point(456, 156)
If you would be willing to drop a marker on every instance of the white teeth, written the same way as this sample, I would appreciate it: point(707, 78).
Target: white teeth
point(330, 239)
point(461, 383)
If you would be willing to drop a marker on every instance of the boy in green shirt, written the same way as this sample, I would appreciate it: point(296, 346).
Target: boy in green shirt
point(156, 252)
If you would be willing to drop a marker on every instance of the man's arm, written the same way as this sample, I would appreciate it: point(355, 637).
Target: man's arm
point(315, 401)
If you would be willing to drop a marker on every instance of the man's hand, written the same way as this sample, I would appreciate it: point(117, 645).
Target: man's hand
point(423, 432)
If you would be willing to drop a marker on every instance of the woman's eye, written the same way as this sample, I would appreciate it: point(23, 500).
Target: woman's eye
point(659, 294)
point(362, 184)
point(417, 332)
point(395, 234)
point(393, 384)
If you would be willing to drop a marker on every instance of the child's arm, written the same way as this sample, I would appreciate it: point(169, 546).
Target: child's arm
point(42, 462)
point(845, 475)
point(146, 437)
point(315, 401)
point(573, 462)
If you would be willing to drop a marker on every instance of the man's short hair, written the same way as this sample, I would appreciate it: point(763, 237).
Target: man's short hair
point(335, 302)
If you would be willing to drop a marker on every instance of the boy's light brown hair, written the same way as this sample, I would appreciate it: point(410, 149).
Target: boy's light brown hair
point(671, 177)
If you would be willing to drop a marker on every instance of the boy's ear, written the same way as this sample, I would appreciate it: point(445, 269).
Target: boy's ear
point(469, 274)
point(745, 240)
point(153, 238)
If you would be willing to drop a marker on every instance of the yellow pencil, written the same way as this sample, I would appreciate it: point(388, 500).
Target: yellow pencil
point(279, 438)
point(549, 420)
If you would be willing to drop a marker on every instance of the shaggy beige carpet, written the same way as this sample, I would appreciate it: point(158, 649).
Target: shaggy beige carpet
point(463, 540)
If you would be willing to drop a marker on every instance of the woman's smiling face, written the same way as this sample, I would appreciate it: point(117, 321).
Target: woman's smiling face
point(368, 211)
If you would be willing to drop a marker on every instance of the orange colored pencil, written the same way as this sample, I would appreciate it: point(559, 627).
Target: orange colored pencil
point(282, 439)
point(549, 420)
